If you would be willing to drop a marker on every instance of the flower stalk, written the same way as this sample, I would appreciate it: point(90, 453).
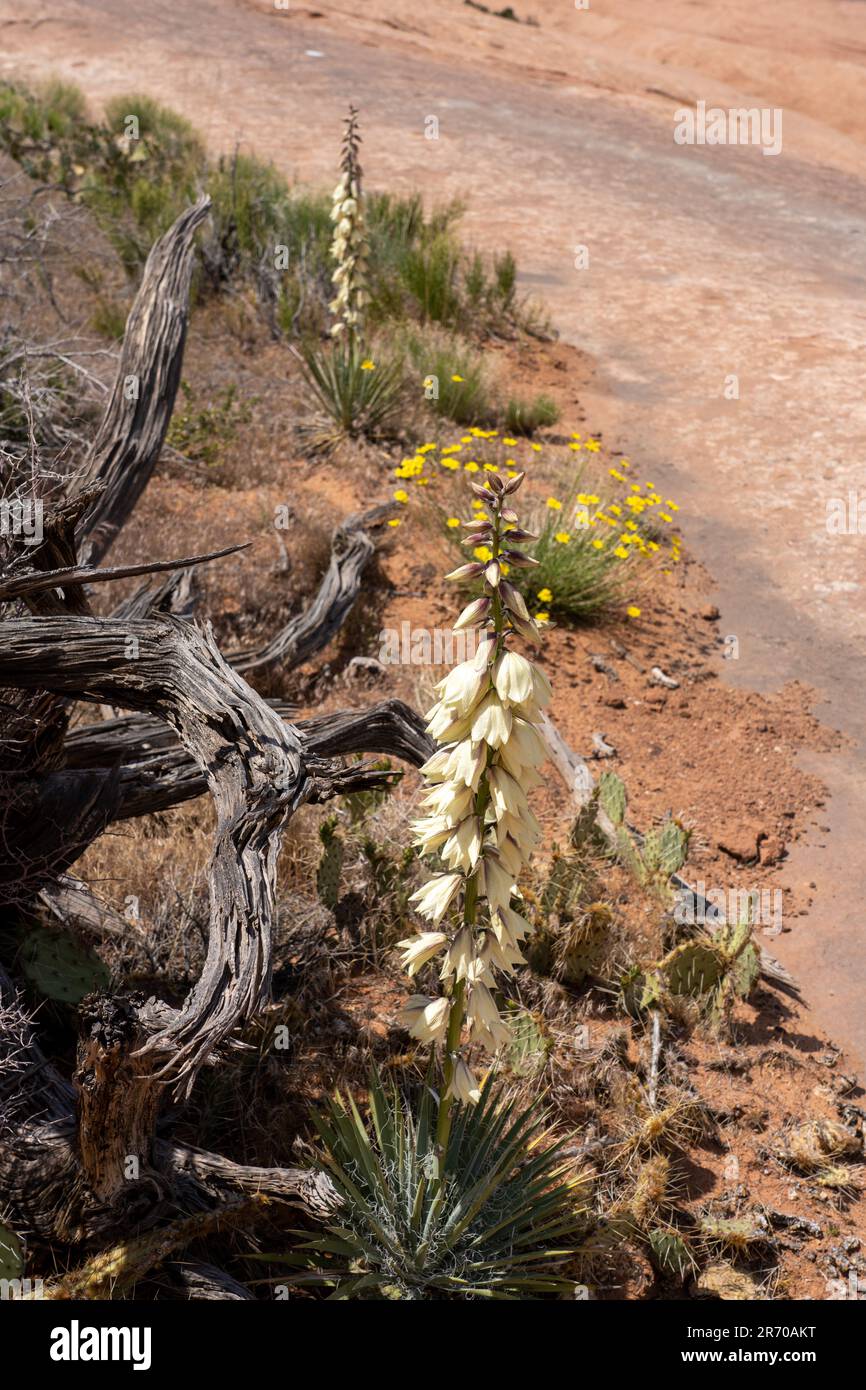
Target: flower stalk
point(349, 247)
point(477, 815)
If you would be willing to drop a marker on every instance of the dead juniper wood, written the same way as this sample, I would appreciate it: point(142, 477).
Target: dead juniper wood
point(188, 723)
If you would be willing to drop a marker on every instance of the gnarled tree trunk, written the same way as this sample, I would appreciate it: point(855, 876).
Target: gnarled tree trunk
point(82, 1158)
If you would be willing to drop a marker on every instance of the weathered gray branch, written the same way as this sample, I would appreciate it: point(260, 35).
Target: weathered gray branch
point(129, 439)
point(308, 632)
point(255, 771)
point(23, 585)
point(155, 772)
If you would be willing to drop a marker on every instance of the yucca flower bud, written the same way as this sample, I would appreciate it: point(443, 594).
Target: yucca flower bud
point(473, 614)
point(463, 1084)
point(471, 571)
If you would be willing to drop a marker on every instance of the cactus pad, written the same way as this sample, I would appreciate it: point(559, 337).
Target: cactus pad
point(60, 966)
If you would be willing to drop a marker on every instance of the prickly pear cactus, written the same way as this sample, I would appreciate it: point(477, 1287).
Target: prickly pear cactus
point(665, 850)
point(670, 1253)
point(694, 968)
point(628, 854)
point(60, 966)
point(586, 946)
point(11, 1254)
point(585, 831)
point(527, 1051)
point(612, 797)
point(561, 892)
point(737, 1232)
point(637, 991)
point(330, 865)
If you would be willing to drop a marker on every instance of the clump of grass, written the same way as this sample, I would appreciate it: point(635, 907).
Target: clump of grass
point(452, 377)
point(578, 574)
point(494, 1218)
point(526, 417)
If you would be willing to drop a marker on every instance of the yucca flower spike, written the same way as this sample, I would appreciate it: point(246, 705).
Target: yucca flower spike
point(476, 814)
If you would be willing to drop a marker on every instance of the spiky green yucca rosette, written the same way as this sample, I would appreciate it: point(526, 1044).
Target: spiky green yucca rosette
point(501, 1221)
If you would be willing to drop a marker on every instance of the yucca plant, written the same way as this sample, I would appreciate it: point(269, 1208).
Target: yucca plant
point(500, 1223)
point(357, 393)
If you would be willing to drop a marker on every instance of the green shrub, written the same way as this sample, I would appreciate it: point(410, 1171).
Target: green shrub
point(429, 273)
point(201, 432)
point(137, 183)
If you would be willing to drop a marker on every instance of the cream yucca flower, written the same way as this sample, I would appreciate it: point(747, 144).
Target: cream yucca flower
point(461, 688)
point(512, 676)
point(425, 1018)
point(476, 812)
point(434, 899)
point(463, 847)
point(492, 721)
point(421, 948)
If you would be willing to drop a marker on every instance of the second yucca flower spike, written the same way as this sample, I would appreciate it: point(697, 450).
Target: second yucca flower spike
point(477, 814)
